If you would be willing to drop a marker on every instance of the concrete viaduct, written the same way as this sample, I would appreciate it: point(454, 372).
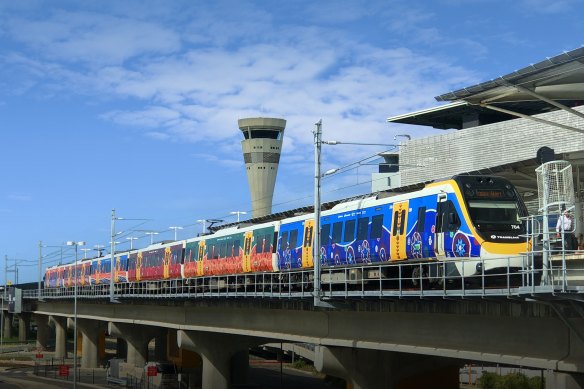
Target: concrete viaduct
point(398, 343)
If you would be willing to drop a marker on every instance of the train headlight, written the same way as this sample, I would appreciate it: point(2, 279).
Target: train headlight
point(479, 267)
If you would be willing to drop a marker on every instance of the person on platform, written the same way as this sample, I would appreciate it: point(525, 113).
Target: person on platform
point(566, 224)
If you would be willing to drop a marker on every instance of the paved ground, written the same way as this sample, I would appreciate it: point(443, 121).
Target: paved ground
point(265, 376)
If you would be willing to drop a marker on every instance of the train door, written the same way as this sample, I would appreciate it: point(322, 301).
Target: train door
point(399, 230)
point(247, 249)
point(166, 263)
point(139, 267)
point(439, 227)
point(307, 243)
point(200, 257)
point(98, 272)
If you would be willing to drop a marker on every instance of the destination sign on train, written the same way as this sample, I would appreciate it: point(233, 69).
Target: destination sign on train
point(489, 193)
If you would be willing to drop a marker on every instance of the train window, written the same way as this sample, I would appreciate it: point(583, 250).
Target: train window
point(284, 240)
point(337, 232)
point(402, 225)
point(275, 242)
point(362, 225)
point(293, 239)
point(325, 234)
point(308, 236)
point(395, 220)
point(247, 245)
point(439, 216)
point(453, 218)
point(376, 226)
point(421, 219)
point(260, 244)
point(266, 243)
point(236, 244)
point(349, 235)
point(223, 250)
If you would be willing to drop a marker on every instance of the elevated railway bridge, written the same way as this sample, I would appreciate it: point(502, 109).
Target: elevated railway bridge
point(400, 332)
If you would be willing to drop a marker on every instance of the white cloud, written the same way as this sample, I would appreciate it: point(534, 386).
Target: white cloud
point(222, 72)
point(92, 37)
point(19, 197)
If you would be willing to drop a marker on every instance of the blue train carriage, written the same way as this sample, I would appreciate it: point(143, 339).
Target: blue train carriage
point(356, 232)
point(479, 217)
point(121, 268)
point(290, 254)
point(100, 269)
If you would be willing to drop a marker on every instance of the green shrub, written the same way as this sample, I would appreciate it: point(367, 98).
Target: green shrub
point(299, 364)
point(513, 381)
point(488, 380)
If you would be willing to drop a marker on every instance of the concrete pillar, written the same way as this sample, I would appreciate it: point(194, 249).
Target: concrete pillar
point(23, 327)
point(42, 322)
point(160, 345)
point(371, 369)
point(90, 332)
point(137, 338)
point(240, 368)
point(7, 325)
point(220, 369)
point(556, 379)
point(121, 348)
point(60, 324)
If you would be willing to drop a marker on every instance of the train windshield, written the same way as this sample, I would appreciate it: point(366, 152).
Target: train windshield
point(495, 215)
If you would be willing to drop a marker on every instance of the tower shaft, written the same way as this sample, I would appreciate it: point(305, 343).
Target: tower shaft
point(262, 145)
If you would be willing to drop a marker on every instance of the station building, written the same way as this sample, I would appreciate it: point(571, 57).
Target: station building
point(499, 127)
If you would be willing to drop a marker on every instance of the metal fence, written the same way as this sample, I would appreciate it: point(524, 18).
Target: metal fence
point(387, 280)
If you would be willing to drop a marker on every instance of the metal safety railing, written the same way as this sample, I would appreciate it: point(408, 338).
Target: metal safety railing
point(511, 276)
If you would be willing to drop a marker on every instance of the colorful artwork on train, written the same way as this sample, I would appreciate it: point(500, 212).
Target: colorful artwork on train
point(463, 217)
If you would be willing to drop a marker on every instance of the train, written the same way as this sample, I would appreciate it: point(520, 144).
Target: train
point(472, 225)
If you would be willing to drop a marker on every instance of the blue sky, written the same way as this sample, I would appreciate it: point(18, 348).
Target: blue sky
point(133, 105)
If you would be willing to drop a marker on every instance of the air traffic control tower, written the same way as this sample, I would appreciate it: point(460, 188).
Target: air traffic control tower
point(261, 152)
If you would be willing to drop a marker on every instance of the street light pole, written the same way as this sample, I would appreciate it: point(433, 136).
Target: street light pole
point(238, 213)
point(2, 313)
point(112, 256)
point(40, 268)
point(175, 228)
point(204, 222)
point(151, 233)
point(85, 252)
point(76, 273)
point(99, 248)
point(316, 246)
point(131, 239)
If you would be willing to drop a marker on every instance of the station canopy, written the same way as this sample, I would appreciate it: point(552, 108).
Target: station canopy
point(552, 84)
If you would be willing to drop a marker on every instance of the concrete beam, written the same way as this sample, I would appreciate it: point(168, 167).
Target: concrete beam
point(461, 330)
